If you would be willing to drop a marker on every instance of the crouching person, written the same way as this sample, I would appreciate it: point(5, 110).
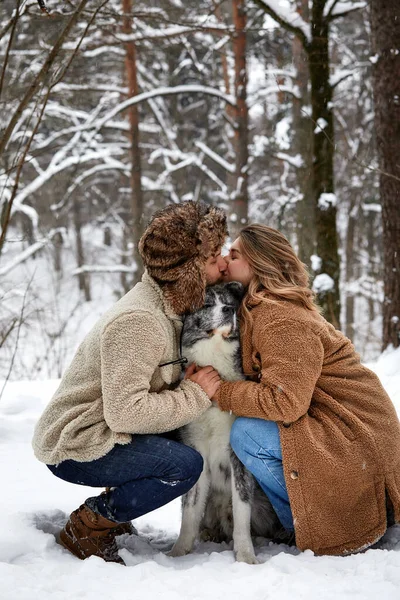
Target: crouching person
point(104, 425)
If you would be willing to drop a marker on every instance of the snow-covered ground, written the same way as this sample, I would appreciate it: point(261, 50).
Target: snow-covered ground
point(34, 506)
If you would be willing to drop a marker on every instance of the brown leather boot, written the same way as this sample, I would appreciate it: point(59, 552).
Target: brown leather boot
point(121, 528)
point(88, 534)
point(127, 527)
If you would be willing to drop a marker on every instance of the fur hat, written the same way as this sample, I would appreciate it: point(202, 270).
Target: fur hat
point(175, 247)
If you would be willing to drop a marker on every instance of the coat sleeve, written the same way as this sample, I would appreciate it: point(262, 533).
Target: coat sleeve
point(291, 363)
point(131, 349)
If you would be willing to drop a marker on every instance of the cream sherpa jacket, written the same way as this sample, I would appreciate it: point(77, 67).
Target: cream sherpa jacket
point(115, 386)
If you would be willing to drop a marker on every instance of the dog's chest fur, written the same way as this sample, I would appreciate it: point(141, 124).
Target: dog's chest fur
point(212, 338)
point(209, 434)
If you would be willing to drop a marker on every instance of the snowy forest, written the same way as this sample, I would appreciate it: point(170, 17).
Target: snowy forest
point(284, 112)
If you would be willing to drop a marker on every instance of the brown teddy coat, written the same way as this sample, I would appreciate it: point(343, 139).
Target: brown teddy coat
point(339, 430)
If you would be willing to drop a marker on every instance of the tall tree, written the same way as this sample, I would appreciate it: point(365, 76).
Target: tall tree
point(136, 170)
point(240, 199)
point(302, 143)
point(385, 29)
point(314, 37)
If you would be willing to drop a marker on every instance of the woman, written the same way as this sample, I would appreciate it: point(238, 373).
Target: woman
point(317, 431)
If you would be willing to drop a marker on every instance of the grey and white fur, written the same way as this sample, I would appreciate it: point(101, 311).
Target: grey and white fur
point(226, 503)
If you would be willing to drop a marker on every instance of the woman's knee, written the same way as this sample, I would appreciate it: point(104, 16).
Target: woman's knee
point(249, 435)
point(238, 437)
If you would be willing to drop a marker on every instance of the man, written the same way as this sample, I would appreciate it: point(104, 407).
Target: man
point(121, 391)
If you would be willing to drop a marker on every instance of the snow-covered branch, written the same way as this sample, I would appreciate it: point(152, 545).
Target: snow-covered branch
point(30, 251)
point(164, 91)
point(289, 19)
point(53, 169)
point(336, 9)
point(294, 161)
point(104, 269)
point(215, 157)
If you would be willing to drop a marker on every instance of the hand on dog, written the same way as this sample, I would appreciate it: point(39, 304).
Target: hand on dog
point(206, 377)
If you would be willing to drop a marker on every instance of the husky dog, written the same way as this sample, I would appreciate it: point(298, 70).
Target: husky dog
point(226, 503)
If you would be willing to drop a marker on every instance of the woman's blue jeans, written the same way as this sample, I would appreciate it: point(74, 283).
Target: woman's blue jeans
point(257, 445)
point(145, 474)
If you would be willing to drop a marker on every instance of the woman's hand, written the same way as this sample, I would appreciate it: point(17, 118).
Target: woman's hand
point(206, 377)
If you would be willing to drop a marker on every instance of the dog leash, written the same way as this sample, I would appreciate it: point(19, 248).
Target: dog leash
point(179, 361)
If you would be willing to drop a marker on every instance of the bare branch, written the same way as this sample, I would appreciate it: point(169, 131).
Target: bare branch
point(17, 340)
point(8, 209)
point(31, 91)
point(10, 41)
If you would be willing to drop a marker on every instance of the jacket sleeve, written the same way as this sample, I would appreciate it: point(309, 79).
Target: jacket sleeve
point(131, 349)
point(291, 363)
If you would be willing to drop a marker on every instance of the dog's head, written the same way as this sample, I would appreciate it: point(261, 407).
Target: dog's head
point(217, 316)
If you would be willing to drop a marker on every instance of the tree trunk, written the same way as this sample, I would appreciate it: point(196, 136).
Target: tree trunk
point(385, 29)
point(83, 278)
point(350, 264)
point(323, 177)
point(240, 199)
point(303, 146)
point(58, 242)
point(125, 281)
point(133, 111)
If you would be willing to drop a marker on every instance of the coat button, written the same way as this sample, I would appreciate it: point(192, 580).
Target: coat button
point(256, 368)
point(294, 474)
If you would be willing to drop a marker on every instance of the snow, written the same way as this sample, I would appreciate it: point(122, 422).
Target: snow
point(295, 161)
point(316, 262)
point(35, 505)
point(282, 133)
point(327, 200)
point(321, 125)
point(323, 283)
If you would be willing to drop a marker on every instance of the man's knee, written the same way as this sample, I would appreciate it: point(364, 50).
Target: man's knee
point(191, 463)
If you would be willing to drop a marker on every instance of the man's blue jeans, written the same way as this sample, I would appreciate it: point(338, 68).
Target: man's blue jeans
point(145, 474)
point(257, 445)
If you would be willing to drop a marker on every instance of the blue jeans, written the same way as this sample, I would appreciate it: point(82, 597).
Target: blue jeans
point(257, 445)
point(145, 474)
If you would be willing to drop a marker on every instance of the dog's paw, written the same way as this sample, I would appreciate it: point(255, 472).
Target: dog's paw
point(178, 550)
point(247, 557)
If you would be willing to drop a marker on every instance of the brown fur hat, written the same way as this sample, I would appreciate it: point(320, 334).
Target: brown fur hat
point(175, 247)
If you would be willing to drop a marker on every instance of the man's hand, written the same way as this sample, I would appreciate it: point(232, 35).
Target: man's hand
point(206, 377)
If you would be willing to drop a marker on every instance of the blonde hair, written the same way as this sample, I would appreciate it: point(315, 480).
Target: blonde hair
point(278, 273)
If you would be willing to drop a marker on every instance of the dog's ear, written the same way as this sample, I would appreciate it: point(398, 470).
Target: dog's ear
point(236, 289)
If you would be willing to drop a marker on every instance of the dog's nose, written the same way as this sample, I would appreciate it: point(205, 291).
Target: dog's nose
point(227, 309)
